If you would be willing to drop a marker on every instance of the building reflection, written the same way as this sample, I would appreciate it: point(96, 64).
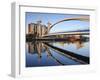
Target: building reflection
point(38, 47)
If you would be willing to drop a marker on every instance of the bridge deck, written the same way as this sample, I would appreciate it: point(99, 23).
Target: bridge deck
point(71, 33)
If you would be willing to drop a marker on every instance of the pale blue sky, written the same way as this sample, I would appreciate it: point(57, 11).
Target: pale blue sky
point(53, 18)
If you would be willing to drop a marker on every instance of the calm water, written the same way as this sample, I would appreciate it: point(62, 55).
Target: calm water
point(40, 54)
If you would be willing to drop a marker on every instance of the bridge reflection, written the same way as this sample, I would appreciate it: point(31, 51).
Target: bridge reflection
point(40, 47)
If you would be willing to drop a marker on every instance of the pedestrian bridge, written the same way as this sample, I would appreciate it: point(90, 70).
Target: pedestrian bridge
point(81, 18)
point(82, 32)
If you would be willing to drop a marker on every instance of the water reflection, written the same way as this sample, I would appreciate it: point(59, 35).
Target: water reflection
point(38, 53)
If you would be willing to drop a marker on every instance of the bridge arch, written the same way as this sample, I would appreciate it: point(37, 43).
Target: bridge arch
point(82, 18)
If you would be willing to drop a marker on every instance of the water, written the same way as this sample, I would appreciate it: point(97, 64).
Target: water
point(40, 54)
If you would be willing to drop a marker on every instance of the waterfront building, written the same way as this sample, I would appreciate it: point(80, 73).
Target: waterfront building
point(37, 29)
point(30, 28)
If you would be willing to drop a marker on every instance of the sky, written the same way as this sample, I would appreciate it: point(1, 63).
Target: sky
point(31, 17)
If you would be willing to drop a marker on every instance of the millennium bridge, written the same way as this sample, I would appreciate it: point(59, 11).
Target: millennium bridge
point(79, 32)
point(42, 33)
point(39, 31)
